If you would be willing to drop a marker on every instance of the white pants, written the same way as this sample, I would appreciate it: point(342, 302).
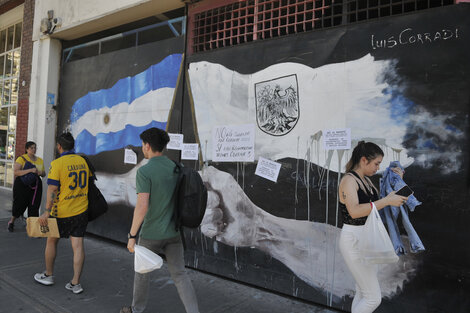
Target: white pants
point(368, 296)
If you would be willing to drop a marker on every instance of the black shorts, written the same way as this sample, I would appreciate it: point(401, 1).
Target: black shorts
point(74, 226)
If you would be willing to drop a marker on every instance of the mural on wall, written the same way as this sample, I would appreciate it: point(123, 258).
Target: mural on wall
point(392, 94)
point(377, 79)
point(112, 118)
point(307, 248)
point(323, 100)
point(107, 111)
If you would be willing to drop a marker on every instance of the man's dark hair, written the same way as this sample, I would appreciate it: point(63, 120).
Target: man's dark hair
point(156, 138)
point(66, 141)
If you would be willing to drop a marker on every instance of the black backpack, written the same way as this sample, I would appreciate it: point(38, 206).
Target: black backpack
point(97, 204)
point(191, 198)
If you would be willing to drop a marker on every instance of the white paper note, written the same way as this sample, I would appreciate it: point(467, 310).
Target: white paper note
point(268, 169)
point(130, 157)
point(190, 151)
point(176, 142)
point(337, 139)
point(233, 143)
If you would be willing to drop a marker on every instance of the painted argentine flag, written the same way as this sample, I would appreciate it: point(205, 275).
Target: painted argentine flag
point(113, 118)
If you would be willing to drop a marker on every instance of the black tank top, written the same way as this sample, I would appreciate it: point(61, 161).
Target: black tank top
point(364, 197)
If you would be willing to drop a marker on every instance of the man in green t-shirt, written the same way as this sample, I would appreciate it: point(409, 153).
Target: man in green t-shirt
point(155, 185)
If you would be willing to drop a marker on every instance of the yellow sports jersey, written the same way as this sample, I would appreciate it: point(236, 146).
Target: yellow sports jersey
point(70, 173)
point(39, 163)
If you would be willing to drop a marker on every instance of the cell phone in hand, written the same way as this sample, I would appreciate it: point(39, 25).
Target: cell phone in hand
point(404, 191)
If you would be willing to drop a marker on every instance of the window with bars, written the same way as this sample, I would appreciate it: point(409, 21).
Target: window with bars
point(249, 20)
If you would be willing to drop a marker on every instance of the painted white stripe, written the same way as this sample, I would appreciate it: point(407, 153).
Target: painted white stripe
point(153, 106)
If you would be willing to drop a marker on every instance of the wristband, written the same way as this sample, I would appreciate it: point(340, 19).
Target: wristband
point(371, 205)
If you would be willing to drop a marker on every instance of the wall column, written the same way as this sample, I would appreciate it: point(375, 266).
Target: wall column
point(42, 120)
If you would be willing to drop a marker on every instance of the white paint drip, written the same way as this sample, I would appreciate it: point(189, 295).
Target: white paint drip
point(237, 268)
point(307, 178)
point(330, 155)
point(203, 240)
point(296, 179)
point(327, 165)
point(243, 175)
point(215, 247)
point(196, 261)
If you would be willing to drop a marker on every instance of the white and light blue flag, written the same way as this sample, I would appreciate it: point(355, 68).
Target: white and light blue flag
point(113, 118)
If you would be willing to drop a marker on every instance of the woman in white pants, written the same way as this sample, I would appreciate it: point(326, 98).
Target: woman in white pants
point(356, 193)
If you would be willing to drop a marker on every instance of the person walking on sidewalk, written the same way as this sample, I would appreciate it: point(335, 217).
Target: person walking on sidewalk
point(155, 185)
point(356, 194)
point(27, 187)
point(67, 200)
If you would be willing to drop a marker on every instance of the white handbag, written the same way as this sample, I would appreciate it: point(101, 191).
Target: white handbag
point(375, 244)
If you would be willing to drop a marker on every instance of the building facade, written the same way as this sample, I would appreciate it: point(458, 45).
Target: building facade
point(15, 75)
point(261, 82)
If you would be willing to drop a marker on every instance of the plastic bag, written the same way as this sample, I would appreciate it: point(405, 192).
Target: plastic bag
point(145, 260)
point(375, 244)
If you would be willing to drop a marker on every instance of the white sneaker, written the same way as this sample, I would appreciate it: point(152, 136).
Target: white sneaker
point(74, 288)
point(42, 278)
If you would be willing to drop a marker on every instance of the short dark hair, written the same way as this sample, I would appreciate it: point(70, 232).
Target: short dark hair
point(156, 138)
point(29, 144)
point(66, 141)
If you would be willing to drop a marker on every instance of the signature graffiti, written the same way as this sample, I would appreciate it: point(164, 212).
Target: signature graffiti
point(409, 37)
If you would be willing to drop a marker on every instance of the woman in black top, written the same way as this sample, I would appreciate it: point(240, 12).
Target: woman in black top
point(356, 193)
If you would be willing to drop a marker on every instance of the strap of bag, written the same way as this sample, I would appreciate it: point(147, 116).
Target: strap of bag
point(365, 189)
point(178, 227)
point(35, 188)
point(176, 170)
point(90, 166)
point(25, 159)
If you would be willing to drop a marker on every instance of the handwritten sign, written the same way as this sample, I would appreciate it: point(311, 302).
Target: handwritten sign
point(190, 151)
point(176, 142)
point(268, 169)
point(337, 139)
point(130, 157)
point(233, 143)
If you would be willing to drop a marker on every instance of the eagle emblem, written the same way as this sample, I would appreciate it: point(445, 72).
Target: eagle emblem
point(277, 105)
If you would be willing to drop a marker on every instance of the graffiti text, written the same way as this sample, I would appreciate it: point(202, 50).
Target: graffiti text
point(410, 37)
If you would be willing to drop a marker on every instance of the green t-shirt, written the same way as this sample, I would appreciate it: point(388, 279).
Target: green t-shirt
point(157, 177)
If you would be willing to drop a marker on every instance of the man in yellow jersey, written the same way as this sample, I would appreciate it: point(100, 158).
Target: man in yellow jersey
point(67, 200)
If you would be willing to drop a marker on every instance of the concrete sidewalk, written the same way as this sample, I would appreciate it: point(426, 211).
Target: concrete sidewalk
point(108, 279)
